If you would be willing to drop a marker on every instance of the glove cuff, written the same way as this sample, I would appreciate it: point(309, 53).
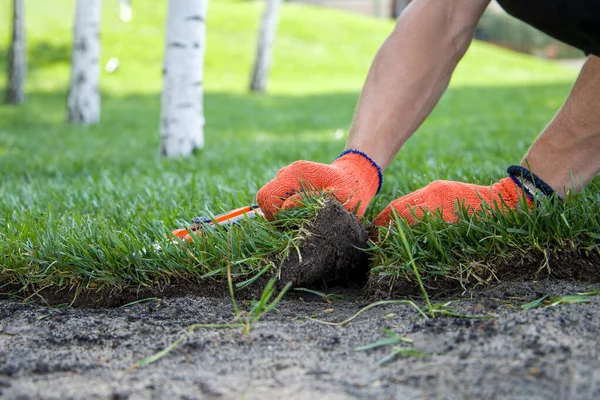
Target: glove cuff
point(373, 163)
point(531, 183)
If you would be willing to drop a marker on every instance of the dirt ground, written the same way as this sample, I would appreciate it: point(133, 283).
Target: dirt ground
point(543, 353)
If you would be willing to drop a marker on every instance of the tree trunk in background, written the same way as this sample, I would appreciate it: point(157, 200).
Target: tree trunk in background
point(17, 56)
point(125, 11)
point(83, 101)
point(266, 38)
point(182, 114)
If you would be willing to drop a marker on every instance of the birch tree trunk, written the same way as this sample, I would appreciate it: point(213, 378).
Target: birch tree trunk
point(17, 56)
point(182, 114)
point(83, 101)
point(266, 38)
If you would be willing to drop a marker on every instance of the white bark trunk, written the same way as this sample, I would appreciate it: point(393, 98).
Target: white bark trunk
point(17, 56)
point(83, 101)
point(125, 11)
point(266, 38)
point(182, 114)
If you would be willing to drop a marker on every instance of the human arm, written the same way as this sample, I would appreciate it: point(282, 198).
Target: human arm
point(407, 78)
point(410, 73)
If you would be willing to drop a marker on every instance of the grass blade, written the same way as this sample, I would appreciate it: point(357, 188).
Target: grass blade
point(368, 307)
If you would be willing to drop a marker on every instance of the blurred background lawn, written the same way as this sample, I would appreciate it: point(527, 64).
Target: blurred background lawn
point(57, 180)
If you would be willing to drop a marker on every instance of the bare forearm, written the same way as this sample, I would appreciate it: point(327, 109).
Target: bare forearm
point(410, 73)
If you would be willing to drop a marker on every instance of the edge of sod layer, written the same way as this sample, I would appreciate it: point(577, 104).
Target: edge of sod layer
point(552, 240)
point(317, 243)
point(320, 243)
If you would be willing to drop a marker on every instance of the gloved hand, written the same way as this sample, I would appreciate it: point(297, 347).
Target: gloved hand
point(446, 195)
point(353, 179)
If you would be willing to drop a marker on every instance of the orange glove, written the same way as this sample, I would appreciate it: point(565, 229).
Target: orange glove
point(353, 179)
point(445, 195)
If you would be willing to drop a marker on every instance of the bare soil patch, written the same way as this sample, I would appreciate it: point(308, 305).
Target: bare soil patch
point(548, 353)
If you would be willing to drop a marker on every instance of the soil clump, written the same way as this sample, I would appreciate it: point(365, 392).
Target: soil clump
point(333, 250)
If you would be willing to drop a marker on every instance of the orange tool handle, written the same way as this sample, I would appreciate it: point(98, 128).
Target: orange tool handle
point(228, 218)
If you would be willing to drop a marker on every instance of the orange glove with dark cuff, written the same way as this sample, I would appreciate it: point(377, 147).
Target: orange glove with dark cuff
point(353, 179)
point(446, 195)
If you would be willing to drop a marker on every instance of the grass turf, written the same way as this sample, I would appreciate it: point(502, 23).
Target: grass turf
point(77, 204)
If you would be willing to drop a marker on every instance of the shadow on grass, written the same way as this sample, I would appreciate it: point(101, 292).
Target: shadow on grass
point(288, 114)
point(279, 128)
point(43, 54)
point(40, 55)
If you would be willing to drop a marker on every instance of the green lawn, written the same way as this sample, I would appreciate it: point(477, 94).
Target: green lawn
point(77, 204)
